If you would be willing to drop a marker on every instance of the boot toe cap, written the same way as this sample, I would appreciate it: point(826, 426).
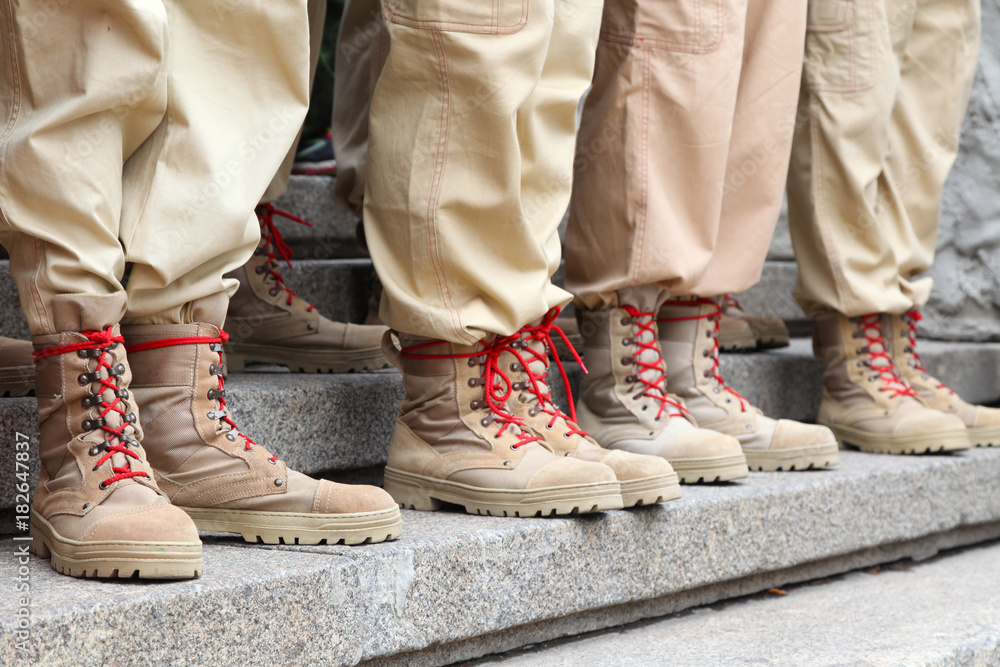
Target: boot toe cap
point(701, 443)
point(628, 466)
point(333, 498)
point(928, 421)
point(790, 434)
point(567, 471)
point(148, 523)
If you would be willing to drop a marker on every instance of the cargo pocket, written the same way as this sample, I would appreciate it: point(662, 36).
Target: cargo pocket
point(840, 46)
point(688, 26)
point(489, 17)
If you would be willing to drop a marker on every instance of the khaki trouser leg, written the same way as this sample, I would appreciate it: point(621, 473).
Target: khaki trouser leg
point(759, 150)
point(180, 205)
point(653, 147)
point(66, 122)
point(317, 18)
point(448, 214)
point(190, 189)
point(362, 47)
point(876, 138)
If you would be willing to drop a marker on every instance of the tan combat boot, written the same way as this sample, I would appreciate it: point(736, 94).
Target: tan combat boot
point(269, 323)
point(767, 332)
point(624, 402)
point(17, 370)
point(456, 441)
point(866, 402)
point(981, 423)
point(689, 330)
point(222, 478)
point(97, 511)
point(644, 480)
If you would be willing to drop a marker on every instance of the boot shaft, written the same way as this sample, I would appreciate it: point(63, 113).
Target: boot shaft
point(858, 361)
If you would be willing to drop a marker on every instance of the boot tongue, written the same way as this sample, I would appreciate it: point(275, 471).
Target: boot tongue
point(535, 356)
point(649, 366)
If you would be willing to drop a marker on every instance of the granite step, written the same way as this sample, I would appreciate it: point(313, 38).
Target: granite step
point(341, 424)
point(939, 612)
point(457, 587)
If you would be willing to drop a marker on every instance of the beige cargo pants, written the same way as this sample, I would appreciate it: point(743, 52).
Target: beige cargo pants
point(885, 89)
point(140, 132)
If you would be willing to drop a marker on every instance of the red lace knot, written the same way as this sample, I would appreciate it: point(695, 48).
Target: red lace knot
point(542, 333)
point(650, 375)
point(730, 302)
point(273, 240)
point(715, 315)
point(104, 338)
point(497, 386)
point(880, 360)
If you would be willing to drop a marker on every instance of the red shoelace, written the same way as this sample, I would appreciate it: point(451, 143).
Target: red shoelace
point(278, 248)
point(219, 394)
point(911, 318)
point(98, 346)
point(656, 382)
point(497, 387)
point(870, 329)
point(715, 372)
point(543, 333)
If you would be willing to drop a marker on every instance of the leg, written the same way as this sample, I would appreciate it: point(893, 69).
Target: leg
point(70, 119)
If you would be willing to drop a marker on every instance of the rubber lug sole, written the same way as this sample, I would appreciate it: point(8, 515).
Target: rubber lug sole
point(719, 469)
point(798, 458)
point(917, 443)
point(650, 490)
point(294, 528)
point(17, 381)
point(428, 494)
point(108, 559)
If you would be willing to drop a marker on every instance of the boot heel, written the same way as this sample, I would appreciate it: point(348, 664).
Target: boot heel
point(409, 496)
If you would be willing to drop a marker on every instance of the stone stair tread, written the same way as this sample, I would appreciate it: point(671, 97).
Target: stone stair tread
point(903, 614)
point(454, 577)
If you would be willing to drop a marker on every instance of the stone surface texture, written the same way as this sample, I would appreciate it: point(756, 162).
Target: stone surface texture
point(454, 577)
point(941, 612)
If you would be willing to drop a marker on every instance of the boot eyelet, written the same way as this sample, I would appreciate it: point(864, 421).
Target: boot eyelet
point(626, 342)
point(485, 422)
point(716, 390)
point(273, 291)
point(90, 401)
point(94, 451)
point(230, 437)
point(497, 436)
point(532, 412)
point(626, 321)
point(259, 270)
point(706, 374)
point(86, 505)
point(508, 463)
point(567, 436)
point(87, 378)
point(645, 407)
point(705, 353)
point(515, 367)
point(548, 427)
point(626, 361)
point(474, 405)
point(629, 379)
point(103, 486)
point(122, 393)
point(273, 462)
point(472, 362)
point(279, 482)
point(473, 382)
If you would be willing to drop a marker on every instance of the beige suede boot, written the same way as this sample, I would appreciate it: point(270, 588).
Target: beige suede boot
point(866, 402)
point(222, 478)
point(624, 402)
point(269, 324)
point(97, 511)
point(689, 330)
point(981, 423)
point(456, 441)
point(17, 370)
point(767, 332)
point(644, 480)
